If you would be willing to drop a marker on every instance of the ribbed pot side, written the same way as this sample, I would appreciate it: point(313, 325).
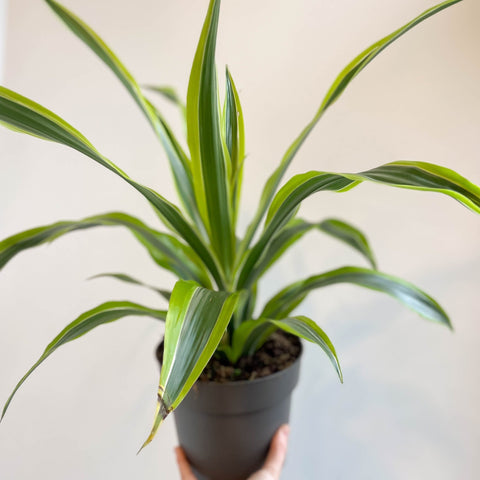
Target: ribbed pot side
point(225, 429)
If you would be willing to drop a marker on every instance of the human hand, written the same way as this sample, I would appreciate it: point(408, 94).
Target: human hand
point(271, 468)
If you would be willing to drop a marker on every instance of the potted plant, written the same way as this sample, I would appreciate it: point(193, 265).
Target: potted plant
point(212, 322)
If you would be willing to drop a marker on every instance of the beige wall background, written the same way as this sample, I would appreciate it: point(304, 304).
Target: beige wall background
point(3, 10)
point(409, 405)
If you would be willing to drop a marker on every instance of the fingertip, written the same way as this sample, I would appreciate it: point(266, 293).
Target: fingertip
point(283, 433)
point(285, 429)
point(180, 456)
point(278, 450)
point(183, 464)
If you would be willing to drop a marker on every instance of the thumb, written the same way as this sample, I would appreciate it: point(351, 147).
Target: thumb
point(183, 465)
point(276, 456)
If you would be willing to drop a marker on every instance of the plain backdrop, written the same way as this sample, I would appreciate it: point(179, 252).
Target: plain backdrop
point(409, 405)
point(3, 10)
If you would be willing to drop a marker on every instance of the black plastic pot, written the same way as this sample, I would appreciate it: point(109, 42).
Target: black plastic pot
point(225, 429)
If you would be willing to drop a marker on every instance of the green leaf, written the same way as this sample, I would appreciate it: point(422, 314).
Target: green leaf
point(24, 115)
point(166, 250)
point(350, 235)
point(102, 50)
point(307, 329)
point(170, 94)
point(196, 321)
point(404, 174)
point(252, 334)
point(411, 296)
point(128, 279)
point(180, 165)
point(208, 151)
point(427, 177)
point(104, 313)
point(235, 139)
point(167, 92)
point(247, 338)
point(338, 86)
point(287, 207)
point(297, 228)
point(244, 311)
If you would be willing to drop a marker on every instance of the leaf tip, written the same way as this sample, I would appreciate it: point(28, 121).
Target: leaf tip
point(340, 374)
point(445, 320)
point(5, 408)
point(143, 446)
point(4, 411)
point(161, 414)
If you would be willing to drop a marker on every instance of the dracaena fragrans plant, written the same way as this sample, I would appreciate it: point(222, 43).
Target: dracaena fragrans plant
point(212, 307)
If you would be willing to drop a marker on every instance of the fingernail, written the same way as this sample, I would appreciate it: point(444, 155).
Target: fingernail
point(285, 430)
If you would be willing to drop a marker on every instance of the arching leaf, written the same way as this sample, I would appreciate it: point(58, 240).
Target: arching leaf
point(338, 86)
point(105, 313)
point(252, 334)
point(297, 228)
point(23, 115)
point(166, 250)
point(196, 322)
point(408, 294)
point(179, 163)
point(122, 277)
point(404, 174)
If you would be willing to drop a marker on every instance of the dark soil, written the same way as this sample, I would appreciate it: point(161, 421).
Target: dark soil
point(277, 353)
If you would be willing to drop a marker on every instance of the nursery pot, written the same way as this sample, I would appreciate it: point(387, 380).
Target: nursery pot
point(225, 429)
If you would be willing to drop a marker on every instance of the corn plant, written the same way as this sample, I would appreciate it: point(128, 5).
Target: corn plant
point(212, 307)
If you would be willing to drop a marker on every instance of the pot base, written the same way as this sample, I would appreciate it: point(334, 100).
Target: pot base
point(243, 440)
point(226, 429)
